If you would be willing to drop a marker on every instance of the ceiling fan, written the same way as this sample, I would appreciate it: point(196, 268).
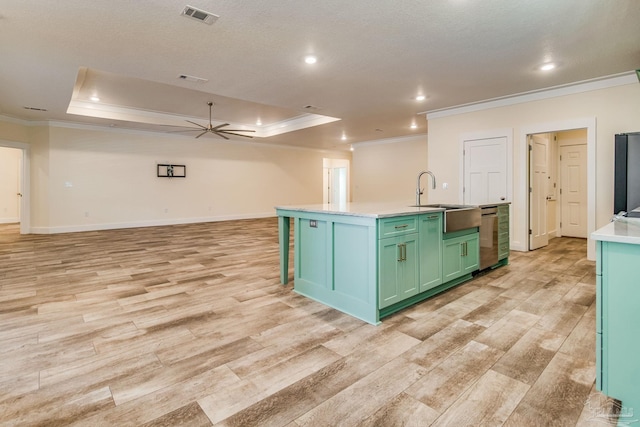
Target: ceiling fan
point(218, 130)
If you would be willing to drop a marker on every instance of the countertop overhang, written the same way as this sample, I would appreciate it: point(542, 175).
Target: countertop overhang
point(623, 230)
point(370, 210)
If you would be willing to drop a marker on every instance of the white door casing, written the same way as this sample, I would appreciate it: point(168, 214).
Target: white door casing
point(485, 171)
point(538, 177)
point(24, 183)
point(573, 190)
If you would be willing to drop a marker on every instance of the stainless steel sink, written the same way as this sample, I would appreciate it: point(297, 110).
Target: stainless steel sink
point(458, 217)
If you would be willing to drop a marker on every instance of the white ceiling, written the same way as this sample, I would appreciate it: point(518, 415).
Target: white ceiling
point(374, 57)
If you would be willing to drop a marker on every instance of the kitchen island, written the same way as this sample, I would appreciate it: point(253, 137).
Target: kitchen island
point(618, 314)
point(371, 260)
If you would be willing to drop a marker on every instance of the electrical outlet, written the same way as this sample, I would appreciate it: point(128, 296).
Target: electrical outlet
point(445, 185)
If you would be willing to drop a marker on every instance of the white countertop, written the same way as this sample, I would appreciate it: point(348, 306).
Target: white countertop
point(371, 210)
point(623, 230)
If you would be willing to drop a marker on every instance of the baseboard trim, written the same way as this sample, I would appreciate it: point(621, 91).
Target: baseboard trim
point(9, 220)
point(153, 223)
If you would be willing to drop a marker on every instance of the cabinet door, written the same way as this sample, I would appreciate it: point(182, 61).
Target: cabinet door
point(451, 259)
point(430, 253)
point(460, 256)
point(471, 253)
point(398, 269)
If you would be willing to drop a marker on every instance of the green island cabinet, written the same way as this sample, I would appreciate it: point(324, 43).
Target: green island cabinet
point(618, 323)
point(370, 266)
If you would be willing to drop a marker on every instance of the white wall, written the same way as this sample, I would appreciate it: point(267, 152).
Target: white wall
point(614, 109)
point(86, 178)
point(9, 185)
point(386, 170)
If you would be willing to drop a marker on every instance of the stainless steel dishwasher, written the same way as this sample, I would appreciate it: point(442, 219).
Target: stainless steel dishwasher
point(488, 237)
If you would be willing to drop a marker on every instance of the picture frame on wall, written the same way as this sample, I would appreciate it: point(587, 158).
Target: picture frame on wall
point(171, 171)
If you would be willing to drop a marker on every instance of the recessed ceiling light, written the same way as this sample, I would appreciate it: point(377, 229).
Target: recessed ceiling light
point(420, 98)
point(548, 66)
point(414, 126)
point(351, 148)
point(95, 98)
point(258, 122)
point(344, 137)
point(310, 59)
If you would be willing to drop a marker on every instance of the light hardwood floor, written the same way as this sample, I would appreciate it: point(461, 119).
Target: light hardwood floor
point(189, 325)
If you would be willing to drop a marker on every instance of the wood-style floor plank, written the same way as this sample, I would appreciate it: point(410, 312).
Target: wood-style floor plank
point(189, 325)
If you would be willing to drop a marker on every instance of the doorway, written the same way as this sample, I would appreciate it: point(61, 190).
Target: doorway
point(558, 185)
point(14, 184)
point(335, 181)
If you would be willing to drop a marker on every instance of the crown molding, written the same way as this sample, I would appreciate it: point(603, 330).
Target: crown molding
point(388, 140)
point(537, 95)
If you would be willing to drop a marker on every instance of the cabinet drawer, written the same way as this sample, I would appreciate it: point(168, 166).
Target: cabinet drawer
point(388, 227)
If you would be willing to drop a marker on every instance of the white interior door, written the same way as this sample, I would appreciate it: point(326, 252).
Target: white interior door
point(573, 190)
point(538, 177)
point(485, 171)
point(335, 178)
point(338, 185)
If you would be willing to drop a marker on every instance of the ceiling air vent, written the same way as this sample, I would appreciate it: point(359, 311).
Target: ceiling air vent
point(199, 14)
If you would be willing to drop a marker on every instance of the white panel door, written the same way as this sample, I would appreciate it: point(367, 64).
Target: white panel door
point(573, 190)
point(538, 177)
point(335, 181)
point(485, 171)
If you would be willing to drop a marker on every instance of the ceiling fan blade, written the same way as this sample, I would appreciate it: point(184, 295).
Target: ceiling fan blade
point(199, 135)
point(235, 134)
point(220, 134)
point(220, 126)
point(184, 130)
point(197, 124)
point(236, 130)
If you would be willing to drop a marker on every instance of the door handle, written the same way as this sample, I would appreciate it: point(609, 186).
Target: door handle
point(502, 198)
point(402, 252)
point(19, 194)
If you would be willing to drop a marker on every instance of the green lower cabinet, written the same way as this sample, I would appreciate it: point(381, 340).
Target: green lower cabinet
point(398, 268)
point(430, 229)
point(617, 320)
point(460, 256)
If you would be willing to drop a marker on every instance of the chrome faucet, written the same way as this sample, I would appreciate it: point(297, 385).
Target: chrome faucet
point(420, 191)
